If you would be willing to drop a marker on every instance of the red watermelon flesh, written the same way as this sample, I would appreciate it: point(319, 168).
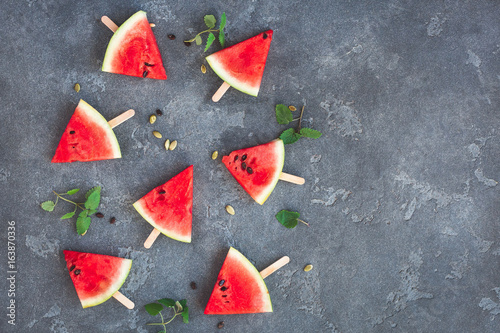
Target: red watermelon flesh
point(88, 137)
point(257, 169)
point(133, 50)
point(239, 288)
point(242, 65)
point(168, 207)
point(96, 277)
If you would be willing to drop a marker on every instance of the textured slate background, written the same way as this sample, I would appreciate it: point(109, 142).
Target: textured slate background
point(401, 190)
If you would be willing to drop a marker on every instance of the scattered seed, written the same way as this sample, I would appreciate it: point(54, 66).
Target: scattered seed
point(292, 108)
point(145, 73)
point(187, 43)
point(244, 157)
point(230, 210)
point(77, 272)
point(193, 285)
point(203, 69)
point(99, 215)
point(112, 220)
point(72, 268)
point(221, 283)
point(157, 134)
point(77, 87)
point(158, 112)
point(148, 64)
point(167, 144)
point(220, 325)
point(215, 154)
point(173, 144)
point(71, 132)
point(224, 295)
point(152, 119)
point(236, 158)
point(162, 192)
point(308, 268)
point(223, 288)
point(152, 25)
point(172, 37)
point(264, 36)
point(249, 170)
point(243, 165)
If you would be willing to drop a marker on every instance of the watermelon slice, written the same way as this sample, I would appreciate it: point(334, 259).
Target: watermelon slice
point(133, 50)
point(242, 65)
point(96, 277)
point(239, 288)
point(88, 137)
point(258, 168)
point(168, 207)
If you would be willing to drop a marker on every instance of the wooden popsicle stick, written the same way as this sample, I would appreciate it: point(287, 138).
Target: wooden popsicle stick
point(151, 238)
point(110, 24)
point(274, 267)
point(220, 92)
point(121, 118)
point(292, 179)
point(124, 300)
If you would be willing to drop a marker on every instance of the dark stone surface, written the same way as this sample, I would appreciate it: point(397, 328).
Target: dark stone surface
point(401, 191)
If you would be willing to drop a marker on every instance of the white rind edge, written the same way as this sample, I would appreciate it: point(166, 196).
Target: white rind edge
point(279, 150)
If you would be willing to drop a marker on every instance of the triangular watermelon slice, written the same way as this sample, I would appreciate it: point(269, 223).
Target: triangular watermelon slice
point(258, 168)
point(88, 137)
point(96, 277)
point(239, 288)
point(133, 50)
point(168, 207)
point(242, 65)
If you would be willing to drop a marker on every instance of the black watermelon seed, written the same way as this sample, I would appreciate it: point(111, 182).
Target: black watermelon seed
point(147, 64)
point(187, 43)
point(99, 215)
point(193, 285)
point(71, 132)
point(223, 288)
point(224, 295)
point(145, 73)
point(72, 268)
point(226, 302)
point(235, 158)
point(221, 282)
point(112, 220)
point(264, 35)
point(162, 192)
point(172, 37)
point(158, 112)
point(77, 272)
point(249, 170)
point(243, 165)
point(220, 325)
point(244, 157)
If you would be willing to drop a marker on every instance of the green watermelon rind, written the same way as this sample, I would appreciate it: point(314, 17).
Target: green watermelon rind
point(280, 150)
point(99, 120)
point(138, 205)
point(117, 38)
point(225, 75)
point(93, 301)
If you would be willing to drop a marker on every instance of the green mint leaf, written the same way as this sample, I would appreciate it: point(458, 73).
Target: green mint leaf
point(71, 192)
point(287, 218)
point(210, 21)
point(210, 40)
point(82, 224)
point(289, 136)
point(153, 308)
point(83, 213)
point(221, 38)
point(178, 306)
point(94, 189)
point(183, 302)
point(168, 302)
point(198, 40)
point(91, 212)
point(48, 205)
point(185, 315)
point(310, 133)
point(283, 114)
point(67, 216)
point(222, 22)
point(93, 200)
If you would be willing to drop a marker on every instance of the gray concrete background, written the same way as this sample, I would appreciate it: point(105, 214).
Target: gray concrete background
point(401, 191)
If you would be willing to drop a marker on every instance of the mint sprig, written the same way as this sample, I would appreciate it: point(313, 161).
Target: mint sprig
point(289, 219)
point(210, 22)
point(179, 307)
point(284, 117)
point(89, 207)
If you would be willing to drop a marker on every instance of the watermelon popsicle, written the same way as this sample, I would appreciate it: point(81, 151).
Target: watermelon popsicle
point(98, 277)
point(240, 288)
point(258, 169)
point(133, 49)
point(89, 137)
point(168, 208)
point(241, 66)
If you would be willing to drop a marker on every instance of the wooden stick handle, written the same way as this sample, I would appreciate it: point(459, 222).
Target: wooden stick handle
point(274, 267)
point(121, 118)
point(292, 179)
point(220, 92)
point(124, 300)
point(151, 238)
point(110, 24)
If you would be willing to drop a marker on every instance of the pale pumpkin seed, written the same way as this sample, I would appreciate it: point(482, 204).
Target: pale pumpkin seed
point(215, 154)
point(292, 108)
point(308, 268)
point(152, 25)
point(167, 144)
point(77, 87)
point(173, 144)
point(230, 210)
point(152, 119)
point(203, 69)
point(157, 134)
